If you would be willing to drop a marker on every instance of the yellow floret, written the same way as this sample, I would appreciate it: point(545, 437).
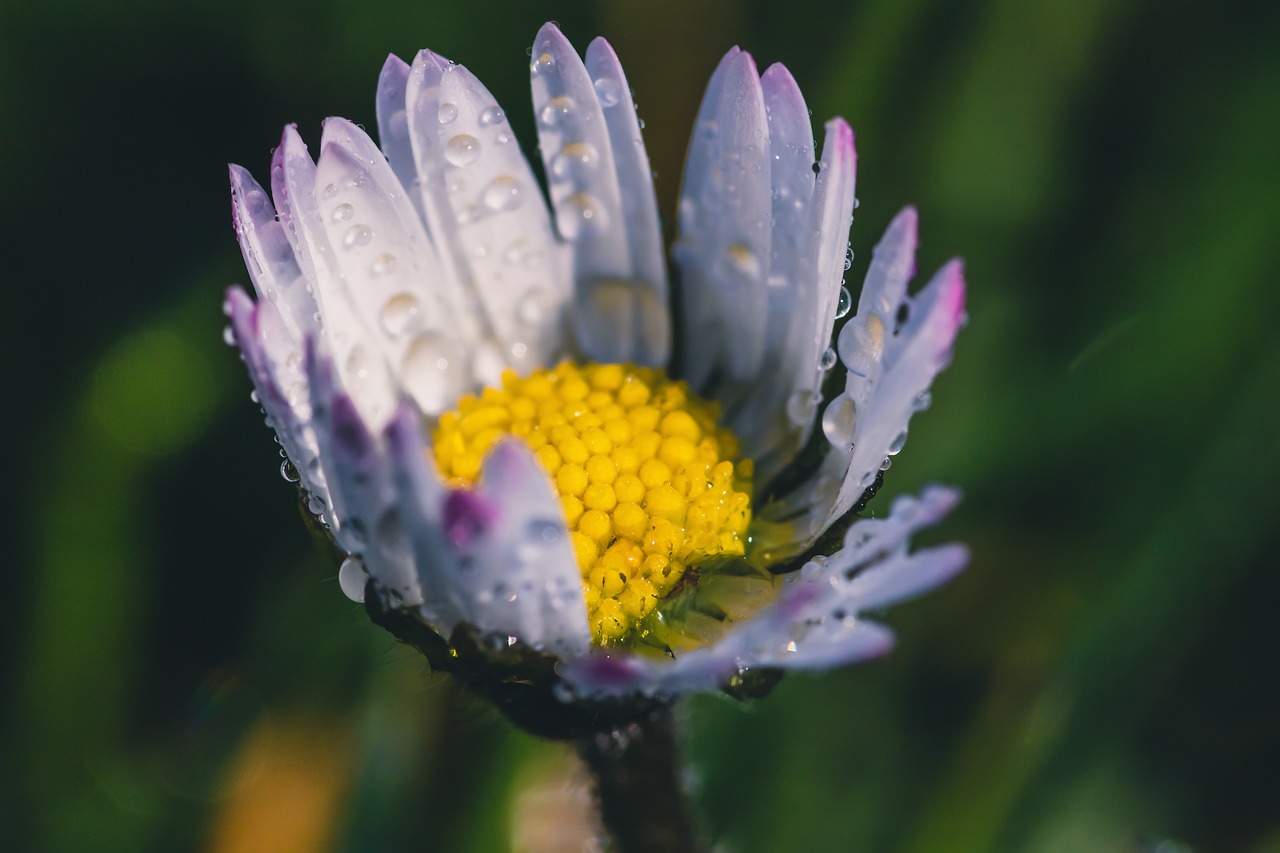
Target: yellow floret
point(648, 482)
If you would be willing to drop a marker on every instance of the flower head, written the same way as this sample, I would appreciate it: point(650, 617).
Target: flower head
point(473, 388)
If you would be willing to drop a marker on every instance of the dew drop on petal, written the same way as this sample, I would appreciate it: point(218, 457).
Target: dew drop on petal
point(288, 472)
point(899, 441)
point(535, 306)
point(608, 91)
point(358, 363)
point(555, 109)
point(800, 407)
point(743, 259)
point(843, 302)
point(462, 149)
point(577, 159)
point(398, 313)
point(921, 401)
point(434, 371)
point(316, 505)
point(503, 193)
point(544, 63)
point(447, 113)
point(839, 420)
point(343, 212)
point(357, 236)
point(491, 116)
point(228, 336)
point(579, 216)
point(352, 578)
point(886, 464)
point(827, 360)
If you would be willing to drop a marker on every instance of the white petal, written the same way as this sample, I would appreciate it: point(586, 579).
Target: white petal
point(269, 256)
point(393, 125)
point(648, 274)
point(496, 556)
point(275, 367)
point(724, 246)
point(615, 294)
point(483, 201)
point(390, 270)
point(362, 491)
point(364, 375)
point(761, 422)
point(889, 371)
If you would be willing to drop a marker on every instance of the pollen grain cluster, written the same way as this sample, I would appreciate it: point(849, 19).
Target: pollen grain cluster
point(649, 483)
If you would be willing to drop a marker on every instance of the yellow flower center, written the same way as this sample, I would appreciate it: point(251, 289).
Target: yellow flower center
point(650, 484)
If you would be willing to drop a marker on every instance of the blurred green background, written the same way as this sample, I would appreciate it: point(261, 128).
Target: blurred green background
point(184, 673)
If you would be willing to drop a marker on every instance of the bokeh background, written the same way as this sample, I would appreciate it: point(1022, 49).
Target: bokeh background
point(182, 672)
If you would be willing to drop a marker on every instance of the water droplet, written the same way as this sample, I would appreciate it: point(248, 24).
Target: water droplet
point(288, 472)
point(343, 212)
point(608, 91)
point(457, 185)
point(899, 440)
point(356, 236)
point(577, 160)
point(843, 302)
point(493, 115)
point(578, 216)
point(535, 306)
point(398, 313)
point(839, 421)
point(467, 214)
point(254, 398)
point(330, 190)
point(503, 193)
point(228, 336)
point(352, 578)
point(800, 407)
point(384, 264)
point(886, 464)
point(921, 401)
point(316, 505)
point(434, 371)
point(543, 64)
point(358, 363)
point(827, 360)
point(555, 109)
point(745, 260)
point(462, 150)
point(447, 113)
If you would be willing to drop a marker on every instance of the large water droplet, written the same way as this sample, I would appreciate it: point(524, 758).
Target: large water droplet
point(343, 212)
point(743, 259)
point(843, 302)
point(434, 371)
point(358, 363)
point(839, 421)
point(398, 313)
point(352, 578)
point(827, 360)
point(608, 91)
point(462, 150)
point(575, 160)
point(447, 113)
point(899, 441)
point(579, 216)
point(555, 109)
point(357, 236)
point(801, 406)
point(544, 63)
point(493, 115)
point(503, 193)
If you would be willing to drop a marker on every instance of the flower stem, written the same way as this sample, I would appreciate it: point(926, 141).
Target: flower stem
point(643, 803)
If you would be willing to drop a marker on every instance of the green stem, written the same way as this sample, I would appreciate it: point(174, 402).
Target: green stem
point(643, 803)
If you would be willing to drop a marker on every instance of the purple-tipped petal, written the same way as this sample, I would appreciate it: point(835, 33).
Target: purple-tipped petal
point(393, 124)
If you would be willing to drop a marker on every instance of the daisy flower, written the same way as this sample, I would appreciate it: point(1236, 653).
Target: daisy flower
point(546, 453)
